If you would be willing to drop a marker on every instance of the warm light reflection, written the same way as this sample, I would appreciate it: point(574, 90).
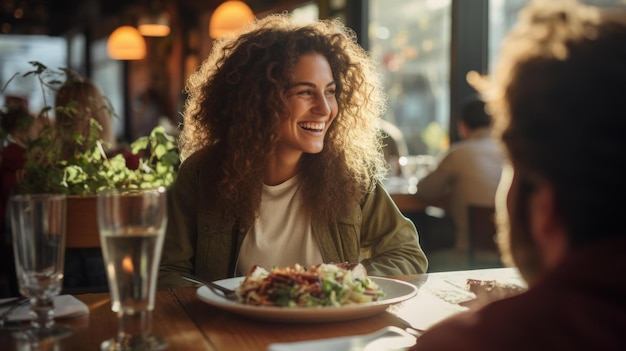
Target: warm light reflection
point(476, 80)
point(230, 16)
point(126, 43)
point(154, 25)
point(154, 30)
point(127, 264)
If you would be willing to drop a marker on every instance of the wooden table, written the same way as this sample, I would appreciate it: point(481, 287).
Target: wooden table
point(189, 324)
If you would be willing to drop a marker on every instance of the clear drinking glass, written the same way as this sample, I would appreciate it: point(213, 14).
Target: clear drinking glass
point(132, 228)
point(38, 224)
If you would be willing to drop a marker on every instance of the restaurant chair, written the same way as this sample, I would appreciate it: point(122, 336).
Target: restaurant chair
point(483, 249)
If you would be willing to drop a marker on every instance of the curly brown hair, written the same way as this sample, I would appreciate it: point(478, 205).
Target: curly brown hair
point(236, 102)
point(558, 99)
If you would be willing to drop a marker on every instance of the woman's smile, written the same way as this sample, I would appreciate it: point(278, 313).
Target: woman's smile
point(312, 106)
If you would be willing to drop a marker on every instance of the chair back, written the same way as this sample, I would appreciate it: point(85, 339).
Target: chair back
point(482, 230)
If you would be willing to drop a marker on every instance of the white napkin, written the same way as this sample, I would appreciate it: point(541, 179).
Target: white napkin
point(386, 339)
point(65, 306)
point(424, 312)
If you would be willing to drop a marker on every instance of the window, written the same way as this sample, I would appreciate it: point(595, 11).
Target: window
point(503, 16)
point(15, 54)
point(108, 74)
point(410, 40)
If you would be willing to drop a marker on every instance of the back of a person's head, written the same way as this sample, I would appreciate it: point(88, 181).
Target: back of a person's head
point(474, 115)
point(76, 101)
point(562, 76)
point(14, 116)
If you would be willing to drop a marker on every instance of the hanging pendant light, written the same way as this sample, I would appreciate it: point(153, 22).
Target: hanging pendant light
point(230, 16)
point(154, 25)
point(126, 43)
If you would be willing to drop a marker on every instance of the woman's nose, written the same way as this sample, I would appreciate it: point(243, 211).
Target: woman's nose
point(322, 106)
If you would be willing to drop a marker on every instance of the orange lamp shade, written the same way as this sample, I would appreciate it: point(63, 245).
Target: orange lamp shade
point(154, 30)
point(154, 25)
point(230, 16)
point(126, 43)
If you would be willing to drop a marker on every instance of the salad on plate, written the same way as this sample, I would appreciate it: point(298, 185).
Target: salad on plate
point(323, 285)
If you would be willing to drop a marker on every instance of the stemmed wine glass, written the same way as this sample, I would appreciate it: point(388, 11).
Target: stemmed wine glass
point(132, 228)
point(38, 224)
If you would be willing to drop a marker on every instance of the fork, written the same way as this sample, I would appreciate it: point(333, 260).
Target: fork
point(216, 288)
point(5, 315)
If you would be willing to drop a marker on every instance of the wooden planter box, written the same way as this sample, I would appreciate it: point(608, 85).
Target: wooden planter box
point(82, 222)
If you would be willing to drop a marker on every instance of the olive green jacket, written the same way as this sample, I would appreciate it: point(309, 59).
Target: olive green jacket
point(197, 241)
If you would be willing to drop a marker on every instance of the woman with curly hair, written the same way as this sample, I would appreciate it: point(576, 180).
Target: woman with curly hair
point(282, 159)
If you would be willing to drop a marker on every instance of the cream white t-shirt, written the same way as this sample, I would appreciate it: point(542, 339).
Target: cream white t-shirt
point(281, 235)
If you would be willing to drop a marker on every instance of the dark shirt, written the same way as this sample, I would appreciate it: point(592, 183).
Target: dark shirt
point(12, 158)
point(580, 305)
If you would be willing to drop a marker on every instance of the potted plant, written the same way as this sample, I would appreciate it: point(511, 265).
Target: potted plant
point(85, 168)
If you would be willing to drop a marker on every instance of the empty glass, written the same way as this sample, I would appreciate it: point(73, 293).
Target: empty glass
point(38, 224)
point(132, 229)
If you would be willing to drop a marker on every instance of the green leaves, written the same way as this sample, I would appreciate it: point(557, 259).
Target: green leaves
point(86, 173)
point(81, 167)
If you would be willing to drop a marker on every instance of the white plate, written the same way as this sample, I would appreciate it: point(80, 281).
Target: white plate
point(396, 291)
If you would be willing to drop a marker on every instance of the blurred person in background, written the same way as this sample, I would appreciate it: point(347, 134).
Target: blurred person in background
point(467, 174)
point(558, 98)
point(18, 126)
point(77, 102)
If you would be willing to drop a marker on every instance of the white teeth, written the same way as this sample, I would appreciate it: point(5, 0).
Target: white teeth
point(312, 126)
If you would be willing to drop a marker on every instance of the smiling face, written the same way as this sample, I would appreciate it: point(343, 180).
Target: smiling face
point(312, 106)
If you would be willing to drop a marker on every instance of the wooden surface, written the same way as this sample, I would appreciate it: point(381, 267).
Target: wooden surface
point(228, 331)
point(82, 223)
point(190, 324)
point(169, 321)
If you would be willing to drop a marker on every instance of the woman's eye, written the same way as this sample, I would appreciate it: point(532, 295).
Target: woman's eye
point(331, 92)
point(305, 92)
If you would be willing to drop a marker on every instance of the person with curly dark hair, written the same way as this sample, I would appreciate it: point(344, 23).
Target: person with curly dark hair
point(558, 101)
point(282, 159)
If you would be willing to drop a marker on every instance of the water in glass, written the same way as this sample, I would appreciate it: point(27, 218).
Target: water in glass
point(132, 229)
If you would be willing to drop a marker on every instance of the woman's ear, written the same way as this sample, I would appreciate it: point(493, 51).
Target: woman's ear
point(546, 224)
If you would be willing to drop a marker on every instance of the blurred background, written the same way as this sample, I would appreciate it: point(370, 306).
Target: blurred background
point(424, 49)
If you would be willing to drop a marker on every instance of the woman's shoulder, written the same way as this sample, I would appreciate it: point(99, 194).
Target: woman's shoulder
point(201, 157)
point(202, 164)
